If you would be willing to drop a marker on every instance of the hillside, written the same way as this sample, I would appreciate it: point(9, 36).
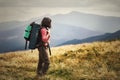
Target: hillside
point(98, 60)
point(104, 37)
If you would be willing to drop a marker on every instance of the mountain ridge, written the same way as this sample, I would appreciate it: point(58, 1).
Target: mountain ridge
point(65, 27)
point(104, 37)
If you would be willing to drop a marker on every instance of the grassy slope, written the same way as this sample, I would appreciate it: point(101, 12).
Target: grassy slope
point(98, 60)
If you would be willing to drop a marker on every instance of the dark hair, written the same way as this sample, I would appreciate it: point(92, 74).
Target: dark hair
point(46, 22)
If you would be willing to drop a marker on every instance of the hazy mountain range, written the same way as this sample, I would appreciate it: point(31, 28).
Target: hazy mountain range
point(105, 37)
point(66, 27)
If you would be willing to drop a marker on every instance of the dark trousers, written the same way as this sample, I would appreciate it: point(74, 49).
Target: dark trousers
point(44, 61)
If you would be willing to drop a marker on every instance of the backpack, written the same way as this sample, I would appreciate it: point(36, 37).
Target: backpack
point(32, 35)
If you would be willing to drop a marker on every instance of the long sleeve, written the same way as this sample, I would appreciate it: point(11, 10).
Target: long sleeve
point(45, 35)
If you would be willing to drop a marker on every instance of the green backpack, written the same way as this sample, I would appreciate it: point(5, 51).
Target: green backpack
point(32, 35)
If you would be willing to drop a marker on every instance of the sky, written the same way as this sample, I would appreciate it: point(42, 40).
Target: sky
point(22, 10)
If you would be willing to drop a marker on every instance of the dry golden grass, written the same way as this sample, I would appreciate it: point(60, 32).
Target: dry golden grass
point(98, 60)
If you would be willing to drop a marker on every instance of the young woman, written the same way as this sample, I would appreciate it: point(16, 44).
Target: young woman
point(44, 61)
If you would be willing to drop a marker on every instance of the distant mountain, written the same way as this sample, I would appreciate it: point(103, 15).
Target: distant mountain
point(107, 36)
point(12, 39)
point(65, 27)
point(62, 32)
point(89, 21)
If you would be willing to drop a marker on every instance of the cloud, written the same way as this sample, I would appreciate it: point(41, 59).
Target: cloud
point(58, 3)
point(108, 5)
point(26, 9)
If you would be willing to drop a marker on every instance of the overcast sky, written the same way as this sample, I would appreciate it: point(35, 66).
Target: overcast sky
point(27, 9)
point(60, 3)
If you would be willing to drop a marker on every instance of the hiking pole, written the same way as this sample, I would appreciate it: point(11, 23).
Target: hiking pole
point(49, 49)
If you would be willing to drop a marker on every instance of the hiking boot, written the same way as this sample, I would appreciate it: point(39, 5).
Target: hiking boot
point(36, 77)
point(40, 73)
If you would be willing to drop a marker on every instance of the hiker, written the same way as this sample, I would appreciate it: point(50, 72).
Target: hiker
point(44, 61)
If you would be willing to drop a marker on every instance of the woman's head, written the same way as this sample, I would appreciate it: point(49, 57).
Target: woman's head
point(46, 22)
